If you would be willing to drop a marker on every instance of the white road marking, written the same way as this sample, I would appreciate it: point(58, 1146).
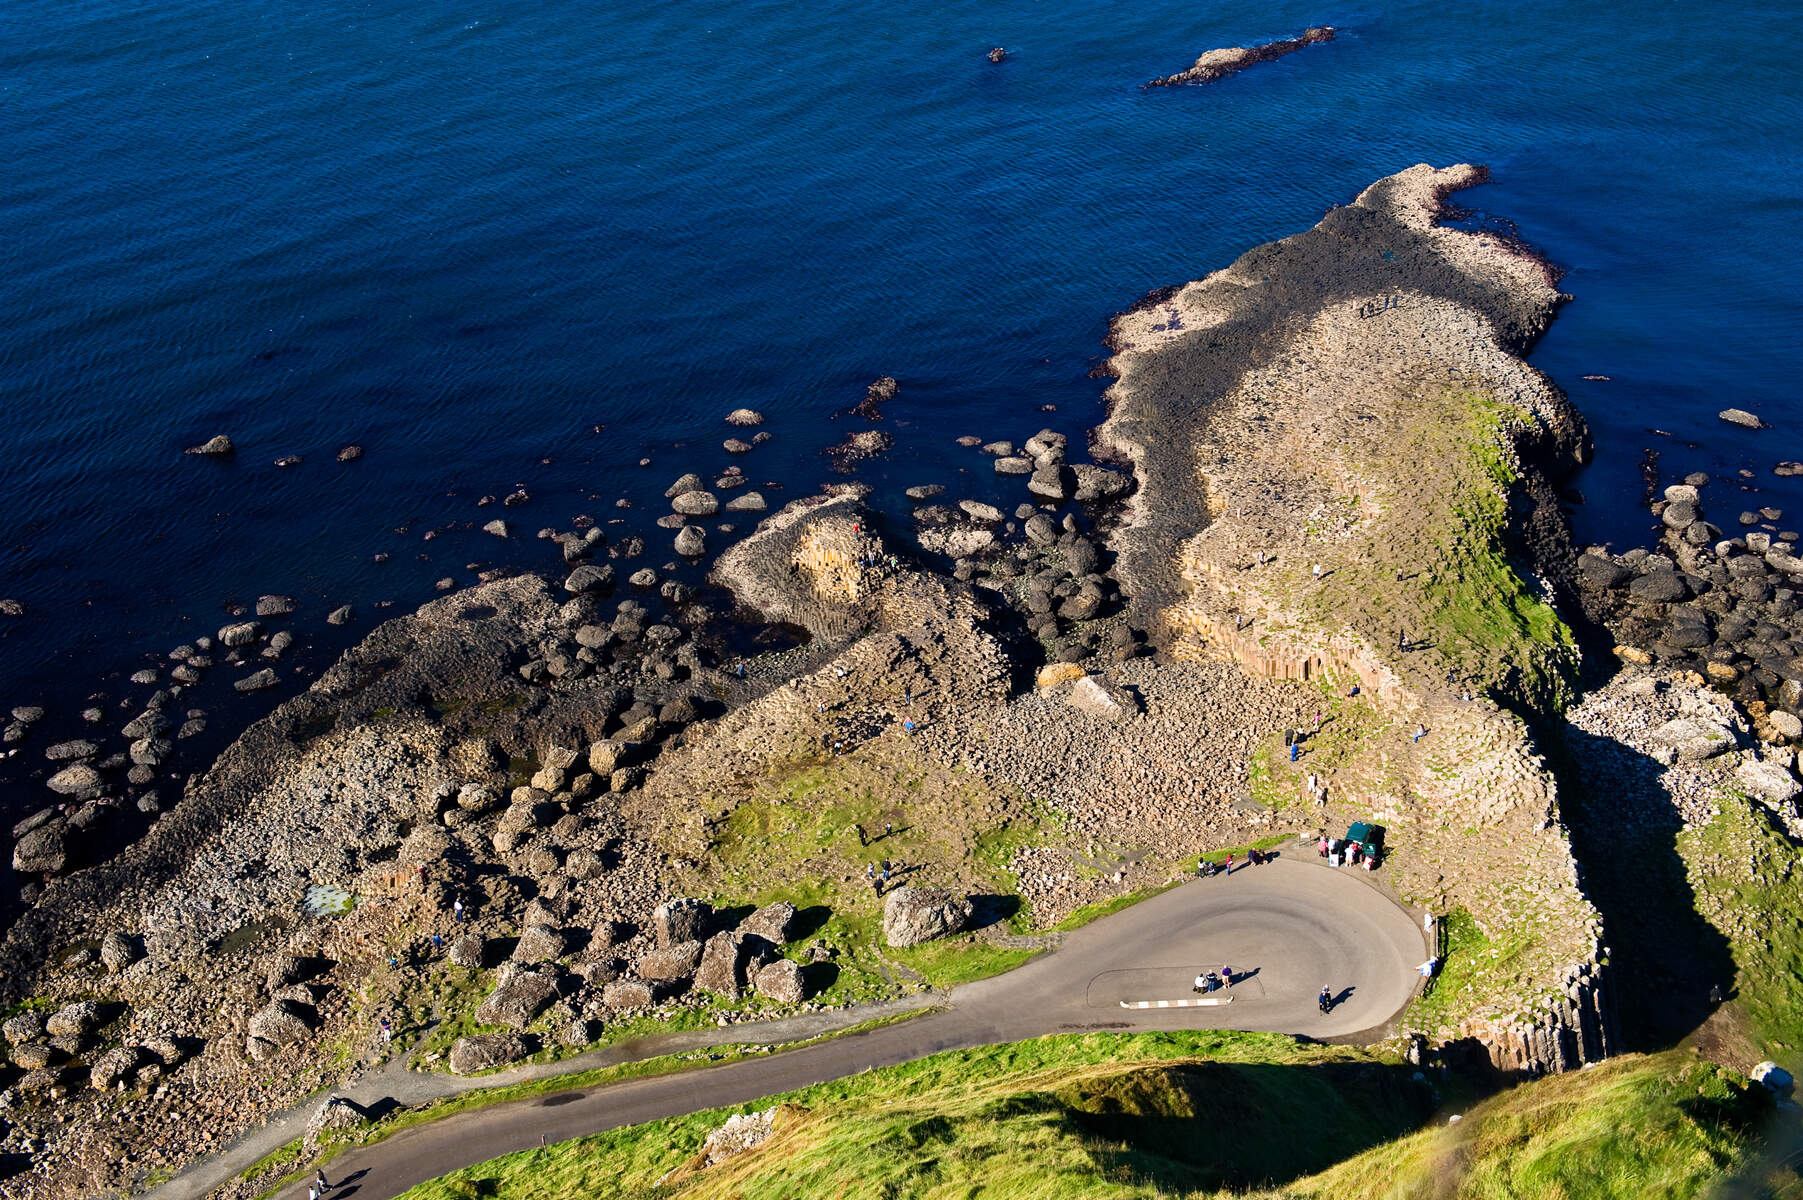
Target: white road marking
point(1213, 1002)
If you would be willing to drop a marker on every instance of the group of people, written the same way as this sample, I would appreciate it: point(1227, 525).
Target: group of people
point(1207, 868)
point(1209, 981)
point(1341, 853)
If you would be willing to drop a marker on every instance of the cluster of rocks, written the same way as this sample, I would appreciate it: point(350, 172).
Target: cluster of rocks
point(105, 774)
point(1663, 748)
point(1723, 607)
point(80, 1045)
point(1042, 565)
point(576, 979)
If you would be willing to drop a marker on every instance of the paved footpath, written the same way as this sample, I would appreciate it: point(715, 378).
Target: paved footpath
point(1294, 926)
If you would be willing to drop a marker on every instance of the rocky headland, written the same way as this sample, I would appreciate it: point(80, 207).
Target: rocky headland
point(1315, 572)
point(1218, 64)
point(1346, 479)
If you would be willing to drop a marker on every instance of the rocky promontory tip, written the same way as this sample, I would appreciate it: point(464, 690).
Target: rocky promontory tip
point(1218, 64)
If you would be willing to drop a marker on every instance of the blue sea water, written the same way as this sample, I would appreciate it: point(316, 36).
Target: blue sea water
point(507, 243)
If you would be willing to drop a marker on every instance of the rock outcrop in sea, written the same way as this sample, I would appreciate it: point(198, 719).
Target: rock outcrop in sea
point(1218, 64)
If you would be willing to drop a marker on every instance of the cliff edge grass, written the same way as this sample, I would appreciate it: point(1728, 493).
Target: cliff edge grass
point(1163, 1115)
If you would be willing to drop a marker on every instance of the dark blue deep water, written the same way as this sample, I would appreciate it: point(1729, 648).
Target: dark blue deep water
point(515, 242)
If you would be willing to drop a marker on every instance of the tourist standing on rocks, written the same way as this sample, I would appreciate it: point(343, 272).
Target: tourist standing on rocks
point(1420, 732)
point(862, 840)
point(457, 909)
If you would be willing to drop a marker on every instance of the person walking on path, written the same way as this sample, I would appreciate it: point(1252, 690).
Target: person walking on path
point(319, 1181)
point(1230, 864)
point(1326, 1000)
point(312, 1193)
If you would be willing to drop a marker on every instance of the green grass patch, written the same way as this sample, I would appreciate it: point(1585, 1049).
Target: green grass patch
point(1473, 967)
point(1077, 1116)
point(1103, 908)
point(1199, 1115)
point(1743, 873)
point(1632, 1128)
point(959, 960)
point(285, 1153)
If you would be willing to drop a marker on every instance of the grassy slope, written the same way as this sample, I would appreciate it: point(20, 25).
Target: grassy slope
point(1659, 1126)
point(1194, 1115)
point(1742, 870)
point(1445, 521)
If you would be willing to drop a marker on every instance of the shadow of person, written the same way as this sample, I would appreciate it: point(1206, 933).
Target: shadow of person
point(1340, 997)
point(1241, 976)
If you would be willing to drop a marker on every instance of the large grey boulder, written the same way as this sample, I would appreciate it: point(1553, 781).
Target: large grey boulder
point(782, 981)
point(277, 1024)
point(116, 1066)
point(340, 1114)
point(1693, 739)
point(1105, 701)
point(72, 1020)
point(775, 923)
point(683, 919)
point(589, 578)
point(606, 757)
point(27, 1026)
point(518, 1000)
point(468, 950)
point(43, 851)
point(78, 780)
point(485, 1051)
point(723, 963)
point(1768, 781)
point(696, 504)
point(119, 951)
point(540, 943)
point(912, 915)
point(671, 964)
point(624, 994)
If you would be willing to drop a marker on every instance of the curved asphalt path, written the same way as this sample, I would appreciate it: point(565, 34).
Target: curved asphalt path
point(1296, 925)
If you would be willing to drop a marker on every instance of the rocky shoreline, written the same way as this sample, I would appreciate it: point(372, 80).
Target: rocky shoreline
point(546, 812)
